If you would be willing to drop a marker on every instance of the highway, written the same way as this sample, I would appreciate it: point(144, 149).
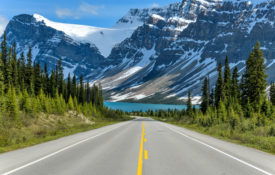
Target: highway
point(138, 147)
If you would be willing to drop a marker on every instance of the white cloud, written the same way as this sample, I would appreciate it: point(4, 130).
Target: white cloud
point(89, 9)
point(64, 12)
point(155, 5)
point(3, 23)
point(82, 10)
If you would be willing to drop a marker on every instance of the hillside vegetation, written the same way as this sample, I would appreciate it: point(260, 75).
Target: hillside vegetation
point(36, 106)
point(240, 111)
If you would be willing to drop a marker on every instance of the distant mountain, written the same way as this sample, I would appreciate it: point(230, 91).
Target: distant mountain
point(154, 54)
point(81, 48)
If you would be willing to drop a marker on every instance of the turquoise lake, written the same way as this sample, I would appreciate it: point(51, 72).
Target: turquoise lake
point(129, 107)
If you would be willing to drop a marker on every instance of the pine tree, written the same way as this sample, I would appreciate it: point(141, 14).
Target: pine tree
point(26, 104)
point(11, 105)
point(219, 93)
point(4, 58)
point(21, 71)
point(74, 87)
point(227, 79)
point(272, 93)
point(42, 101)
point(69, 86)
point(60, 77)
point(88, 92)
point(255, 75)
point(189, 103)
point(93, 92)
point(65, 91)
point(14, 70)
point(4, 49)
point(243, 91)
point(101, 101)
point(53, 84)
point(2, 86)
point(29, 72)
point(235, 93)
point(221, 111)
point(212, 98)
point(81, 90)
point(97, 96)
point(46, 80)
point(37, 78)
point(70, 103)
point(75, 103)
point(205, 96)
point(8, 69)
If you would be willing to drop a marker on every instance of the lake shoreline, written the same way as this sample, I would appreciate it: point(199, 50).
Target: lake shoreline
point(132, 107)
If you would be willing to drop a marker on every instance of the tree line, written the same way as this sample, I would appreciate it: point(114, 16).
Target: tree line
point(238, 107)
point(245, 94)
point(26, 86)
point(237, 102)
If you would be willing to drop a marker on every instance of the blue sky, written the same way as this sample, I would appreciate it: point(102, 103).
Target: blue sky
point(101, 13)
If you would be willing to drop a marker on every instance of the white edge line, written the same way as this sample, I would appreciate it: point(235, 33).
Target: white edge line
point(60, 150)
point(220, 151)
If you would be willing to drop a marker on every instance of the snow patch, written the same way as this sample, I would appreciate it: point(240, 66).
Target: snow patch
point(145, 61)
point(195, 100)
point(139, 96)
point(119, 97)
point(158, 17)
point(104, 38)
point(270, 64)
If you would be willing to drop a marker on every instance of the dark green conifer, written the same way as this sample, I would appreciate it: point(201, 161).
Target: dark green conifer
point(53, 84)
point(272, 93)
point(81, 90)
point(205, 96)
point(227, 79)
point(88, 92)
point(69, 86)
point(212, 98)
point(37, 78)
point(189, 103)
point(235, 89)
point(2, 85)
point(74, 87)
point(101, 101)
point(21, 72)
point(14, 66)
point(255, 75)
point(4, 58)
point(219, 92)
point(60, 77)
point(29, 72)
point(46, 80)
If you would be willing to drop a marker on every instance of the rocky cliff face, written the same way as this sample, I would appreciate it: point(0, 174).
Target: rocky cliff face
point(49, 45)
point(167, 50)
point(182, 43)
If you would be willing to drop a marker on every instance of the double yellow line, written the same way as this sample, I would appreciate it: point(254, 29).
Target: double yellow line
point(139, 171)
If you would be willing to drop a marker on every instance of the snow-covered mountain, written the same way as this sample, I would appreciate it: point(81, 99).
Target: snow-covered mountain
point(155, 54)
point(104, 38)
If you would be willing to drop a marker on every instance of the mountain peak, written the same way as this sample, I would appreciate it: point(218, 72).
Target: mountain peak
point(39, 17)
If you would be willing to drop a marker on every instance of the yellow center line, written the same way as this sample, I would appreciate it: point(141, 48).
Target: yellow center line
point(139, 170)
point(145, 140)
point(145, 154)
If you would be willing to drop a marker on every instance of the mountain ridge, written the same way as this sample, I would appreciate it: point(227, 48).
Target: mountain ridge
point(171, 50)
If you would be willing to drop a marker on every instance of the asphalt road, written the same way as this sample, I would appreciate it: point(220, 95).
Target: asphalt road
point(142, 146)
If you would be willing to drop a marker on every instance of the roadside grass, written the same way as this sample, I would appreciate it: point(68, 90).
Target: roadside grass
point(32, 131)
point(255, 138)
